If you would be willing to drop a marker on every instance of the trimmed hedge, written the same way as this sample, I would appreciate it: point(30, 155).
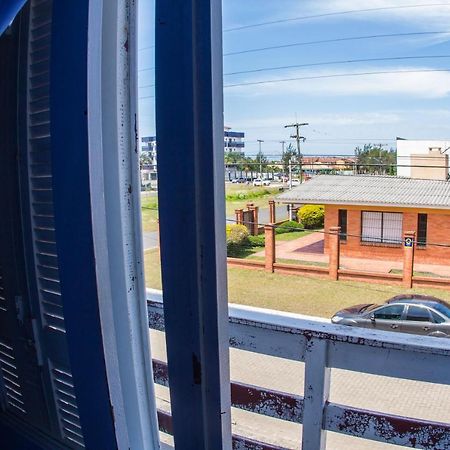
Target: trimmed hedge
point(311, 216)
point(288, 227)
point(257, 241)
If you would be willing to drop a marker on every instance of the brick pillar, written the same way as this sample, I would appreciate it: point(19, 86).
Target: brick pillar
point(256, 219)
point(271, 211)
point(408, 258)
point(269, 233)
point(239, 216)
point(255, 210)
point(334, 252)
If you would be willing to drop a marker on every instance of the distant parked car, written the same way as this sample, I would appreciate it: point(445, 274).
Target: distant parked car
point(295, 182)
point(415, 314)
point(260, 182)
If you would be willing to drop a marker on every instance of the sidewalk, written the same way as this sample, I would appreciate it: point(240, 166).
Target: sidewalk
point(310, 248)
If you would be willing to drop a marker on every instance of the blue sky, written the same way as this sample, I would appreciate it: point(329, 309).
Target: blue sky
point(342, 111)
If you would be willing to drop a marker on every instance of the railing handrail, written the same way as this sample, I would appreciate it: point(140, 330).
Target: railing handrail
point(322, 345)
point(323, 328)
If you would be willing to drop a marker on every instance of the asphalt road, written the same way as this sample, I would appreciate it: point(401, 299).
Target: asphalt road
point(390, 395)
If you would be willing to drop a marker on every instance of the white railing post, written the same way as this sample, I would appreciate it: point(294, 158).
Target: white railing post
point(317, 389)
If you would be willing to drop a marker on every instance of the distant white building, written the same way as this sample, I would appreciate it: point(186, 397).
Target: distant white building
point(426, 159)
point(233, 140)
point(150, 148)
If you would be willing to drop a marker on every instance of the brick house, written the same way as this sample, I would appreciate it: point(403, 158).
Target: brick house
point(374, 212)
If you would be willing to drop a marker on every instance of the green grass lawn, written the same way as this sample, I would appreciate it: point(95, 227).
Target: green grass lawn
point(418, 274)
point(299, 262)
point(260, 196)
point(294, 293)
point(149, 210)
point(291, 236)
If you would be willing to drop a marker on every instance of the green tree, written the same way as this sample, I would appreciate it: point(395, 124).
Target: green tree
point(289, 156)
point(144, 160)
point(261, 160)
point(374, 159)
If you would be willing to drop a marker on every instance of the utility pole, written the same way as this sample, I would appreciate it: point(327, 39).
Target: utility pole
point(282, 157)
point(299, 139)
point(260, 141)
point(290, 173)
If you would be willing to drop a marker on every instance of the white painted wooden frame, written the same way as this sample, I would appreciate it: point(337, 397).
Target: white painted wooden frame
point(115, 194)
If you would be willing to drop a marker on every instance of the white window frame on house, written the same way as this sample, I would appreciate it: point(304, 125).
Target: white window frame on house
point(381, 228)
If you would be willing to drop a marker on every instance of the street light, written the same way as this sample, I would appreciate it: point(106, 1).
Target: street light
point(260, 141)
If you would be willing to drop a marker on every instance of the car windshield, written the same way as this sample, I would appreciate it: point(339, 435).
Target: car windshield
point(369, 308)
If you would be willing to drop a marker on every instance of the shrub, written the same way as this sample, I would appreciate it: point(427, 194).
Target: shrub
point(257, 241)
point(288, 227)
point(311, 216)
point(237, 234)
point(250, 194)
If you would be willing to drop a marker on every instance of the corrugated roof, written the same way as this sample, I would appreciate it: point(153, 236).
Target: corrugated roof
point(370, 190)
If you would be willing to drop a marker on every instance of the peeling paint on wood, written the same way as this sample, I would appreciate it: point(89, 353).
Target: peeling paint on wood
point(239, 442)
point(413, 433)
point(267, 402)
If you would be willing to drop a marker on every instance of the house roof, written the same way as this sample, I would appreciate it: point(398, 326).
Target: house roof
point(371, 191)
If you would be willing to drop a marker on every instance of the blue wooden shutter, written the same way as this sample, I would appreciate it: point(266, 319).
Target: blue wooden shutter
point(39, 395)
point(36, 379)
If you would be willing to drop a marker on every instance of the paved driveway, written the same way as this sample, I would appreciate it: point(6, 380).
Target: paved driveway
point(395, 396)
point(151, 239)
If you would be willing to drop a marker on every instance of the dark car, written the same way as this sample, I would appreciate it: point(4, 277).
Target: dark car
point(416, 314)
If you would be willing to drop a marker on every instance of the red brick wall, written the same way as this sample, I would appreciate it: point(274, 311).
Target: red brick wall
point(438, 232)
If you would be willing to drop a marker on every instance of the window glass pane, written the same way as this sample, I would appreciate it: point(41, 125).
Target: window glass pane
point(371, 226)
point(418, 314)
point(437, 318)
point(422, 229)
point(393, 312)
point(442, 309)
point(343, 224)
point(392, 228)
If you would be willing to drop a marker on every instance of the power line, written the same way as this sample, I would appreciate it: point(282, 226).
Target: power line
point(337, 75)
point(323, 41)
point(327, 41)
point(331, 14)
point(347, 61)
point(317, 77)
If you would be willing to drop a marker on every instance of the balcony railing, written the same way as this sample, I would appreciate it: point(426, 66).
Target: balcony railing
point(322, 346)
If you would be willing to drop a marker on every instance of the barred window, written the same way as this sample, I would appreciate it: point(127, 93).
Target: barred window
point(343, 224)
point(382, 227)
point(422, 230)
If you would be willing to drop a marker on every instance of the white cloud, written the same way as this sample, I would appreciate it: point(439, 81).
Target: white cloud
point(412, 84)
point(428, 17)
